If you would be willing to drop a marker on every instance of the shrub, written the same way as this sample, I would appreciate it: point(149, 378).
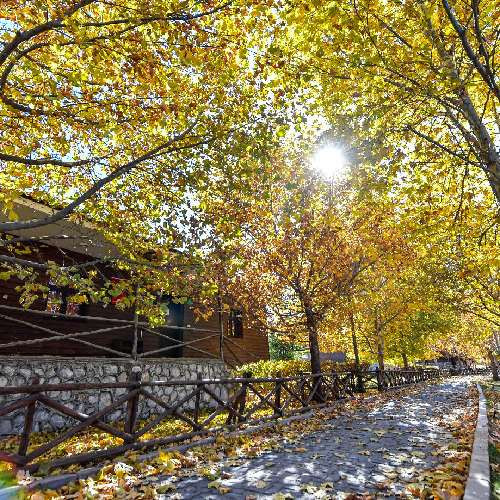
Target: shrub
point(281, 350)
point(271, 368)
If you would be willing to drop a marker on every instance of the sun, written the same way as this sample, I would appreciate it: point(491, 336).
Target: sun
point(330, 161)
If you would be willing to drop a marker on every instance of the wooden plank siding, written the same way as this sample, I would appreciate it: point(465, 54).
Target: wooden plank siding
point(10, 331)
point(253, 344)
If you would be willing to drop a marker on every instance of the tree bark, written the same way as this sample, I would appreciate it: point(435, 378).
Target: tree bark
point(314, 350)
point(494, 365)
point(380, 344)
point(405, 360)
point(359, 380)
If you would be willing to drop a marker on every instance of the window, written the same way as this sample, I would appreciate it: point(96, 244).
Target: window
point(235, 324)
point(59, 301)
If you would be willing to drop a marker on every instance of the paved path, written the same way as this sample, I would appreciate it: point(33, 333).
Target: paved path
point(374, 451)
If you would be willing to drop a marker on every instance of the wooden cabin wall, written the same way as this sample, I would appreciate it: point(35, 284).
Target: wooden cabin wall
point(253, 345)
point(11, 331)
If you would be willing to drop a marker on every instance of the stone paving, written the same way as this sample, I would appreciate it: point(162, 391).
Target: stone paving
point(375, 451)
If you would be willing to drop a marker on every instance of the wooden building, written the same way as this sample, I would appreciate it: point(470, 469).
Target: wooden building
point(92, 330)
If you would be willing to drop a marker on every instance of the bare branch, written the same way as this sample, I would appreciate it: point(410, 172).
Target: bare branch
point(441, 146)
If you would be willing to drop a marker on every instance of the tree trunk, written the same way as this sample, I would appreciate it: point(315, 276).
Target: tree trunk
point(405, 360)
point(380, 344)
point(494, 365)
point(359, 380)
point(380, 354)
point(354, 341)
point(314, 351)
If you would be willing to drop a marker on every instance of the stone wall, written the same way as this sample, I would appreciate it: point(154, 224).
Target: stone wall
point(17, 370)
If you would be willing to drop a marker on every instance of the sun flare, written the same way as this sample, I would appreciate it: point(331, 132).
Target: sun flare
point(330, 161)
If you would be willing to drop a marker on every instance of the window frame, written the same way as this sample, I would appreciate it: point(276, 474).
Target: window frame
point(235, 327)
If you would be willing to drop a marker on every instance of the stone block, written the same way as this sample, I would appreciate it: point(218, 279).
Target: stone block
point(116, 415)
point(25, 372)
point(18, 380)
point(6, 426)
point(104, 399)
point(57, 421)
point(65, 395)
point(7, 370)
point(66, 373)
point(19, 422)
point(111, 369)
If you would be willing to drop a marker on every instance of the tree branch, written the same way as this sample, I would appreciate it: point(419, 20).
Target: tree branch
point(42, 161)
point(119, 172)
point(441, 146)
point(461, 31)
point(37, 30)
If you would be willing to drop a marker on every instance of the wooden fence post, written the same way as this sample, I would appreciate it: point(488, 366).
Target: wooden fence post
point(302, 384)
point(133, 402)
point(197, 399)
point(28, 423)
point(278, 412)
point(243, 396)
point(380, 382)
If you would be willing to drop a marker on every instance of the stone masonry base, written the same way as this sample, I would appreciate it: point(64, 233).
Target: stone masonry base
point(18, 370)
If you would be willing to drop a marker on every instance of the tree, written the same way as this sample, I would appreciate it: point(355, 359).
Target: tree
point(385, 295)
point(114, 114)
point(296, 257)
point(417, 81)
point(282, 350)
point(296, 247)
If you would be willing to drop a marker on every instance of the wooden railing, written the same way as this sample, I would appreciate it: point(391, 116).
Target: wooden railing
point(207, 406)
point(35, 321)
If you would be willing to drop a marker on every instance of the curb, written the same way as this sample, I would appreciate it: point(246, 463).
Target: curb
point(10, 493)
point(478, 480)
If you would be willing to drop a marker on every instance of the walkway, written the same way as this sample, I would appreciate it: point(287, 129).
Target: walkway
point(376, 451)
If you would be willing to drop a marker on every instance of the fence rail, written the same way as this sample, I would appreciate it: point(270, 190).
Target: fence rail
point(164, 337)
point(203, 406)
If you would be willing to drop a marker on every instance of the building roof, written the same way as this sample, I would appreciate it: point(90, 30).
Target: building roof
point(81, 238)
